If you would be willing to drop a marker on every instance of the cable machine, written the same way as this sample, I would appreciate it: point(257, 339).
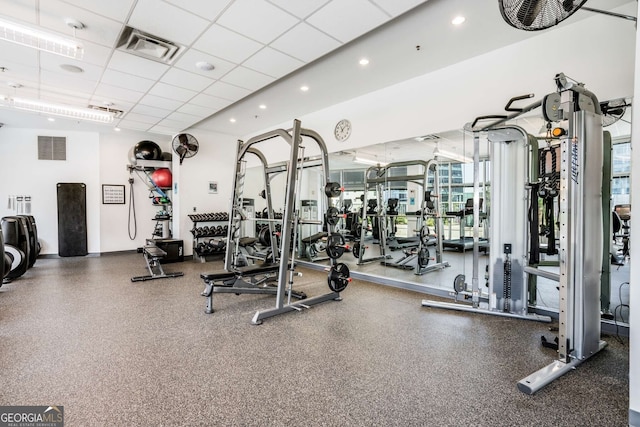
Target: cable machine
point(577, 111)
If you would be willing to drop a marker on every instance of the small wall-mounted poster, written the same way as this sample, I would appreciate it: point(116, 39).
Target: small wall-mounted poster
point(112, 194)
point(213, 187)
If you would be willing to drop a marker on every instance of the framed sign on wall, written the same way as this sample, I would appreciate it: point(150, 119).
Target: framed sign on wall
point(112, 194)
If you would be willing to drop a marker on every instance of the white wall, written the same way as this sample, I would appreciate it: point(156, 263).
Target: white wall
point(214, 162)
point(22, 173)
point(114, 156)
point(634, 292)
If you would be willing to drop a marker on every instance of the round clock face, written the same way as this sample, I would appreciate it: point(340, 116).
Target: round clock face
point(342, 130)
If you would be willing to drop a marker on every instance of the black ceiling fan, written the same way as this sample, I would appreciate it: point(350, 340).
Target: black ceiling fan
point(534, 15)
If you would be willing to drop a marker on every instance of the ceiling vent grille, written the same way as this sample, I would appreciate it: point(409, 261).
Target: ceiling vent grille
point(116, 113)
point(52, 148)
point(148, 46)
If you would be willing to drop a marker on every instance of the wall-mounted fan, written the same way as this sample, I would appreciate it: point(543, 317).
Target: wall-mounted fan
point(533, 15)
point(613, 110)
point(185, 145)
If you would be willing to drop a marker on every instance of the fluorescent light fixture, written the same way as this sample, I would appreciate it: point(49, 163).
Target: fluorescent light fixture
point(372, 162)
point(25, 36)
point(60, 110)
point(452, 156)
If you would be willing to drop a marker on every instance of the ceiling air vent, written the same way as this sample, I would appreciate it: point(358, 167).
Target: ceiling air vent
point(148, 46)
point(116, 113)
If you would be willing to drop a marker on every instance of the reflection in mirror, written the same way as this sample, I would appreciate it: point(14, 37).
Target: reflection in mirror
point(455, 188)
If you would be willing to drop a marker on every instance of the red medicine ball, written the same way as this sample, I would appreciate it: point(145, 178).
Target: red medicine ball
point(162, 178)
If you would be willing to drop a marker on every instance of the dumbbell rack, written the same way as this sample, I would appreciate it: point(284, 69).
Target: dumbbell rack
point(210, 247)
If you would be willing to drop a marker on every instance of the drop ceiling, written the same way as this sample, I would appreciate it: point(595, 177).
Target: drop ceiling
point(262, 51)
point(250, 43)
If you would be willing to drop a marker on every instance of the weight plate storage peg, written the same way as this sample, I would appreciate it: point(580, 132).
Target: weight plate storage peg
point(332, 189)
point(335, 245)
point(339, 277)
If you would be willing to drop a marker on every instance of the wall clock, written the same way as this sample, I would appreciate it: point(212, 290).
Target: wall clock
point(342, 130)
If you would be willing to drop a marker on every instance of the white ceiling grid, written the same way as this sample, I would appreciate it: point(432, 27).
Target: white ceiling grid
point(251, 43)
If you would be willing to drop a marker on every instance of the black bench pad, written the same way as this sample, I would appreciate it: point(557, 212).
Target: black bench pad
point(247, 241)
point(260, 269)
point(315, 237)
point(218, 275)
point(154, 251)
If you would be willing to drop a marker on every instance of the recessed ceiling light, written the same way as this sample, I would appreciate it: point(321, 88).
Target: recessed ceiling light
point(304, 88)
point(204, 66)
point(364, 61)
point(263, 107)
point(458, 20)
point(116, 129)
point(71, 68)
point(232, 120)
point(51, 119)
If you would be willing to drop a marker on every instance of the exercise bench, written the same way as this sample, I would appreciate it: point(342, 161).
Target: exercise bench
point(152, 256)
point(246, 280)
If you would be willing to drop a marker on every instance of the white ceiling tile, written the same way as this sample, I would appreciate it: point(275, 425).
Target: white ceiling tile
point(108, 92)
point(196, 110)
point(182, 117)
point(247, 78)
point(150, 111)
point(208, 9)
point(226, 44)
point(167, 21)
point(127, 81)
point(189, 59)
point(52, 94)
point(185, 79)
point(160, 102)
point(98, 29)
point(51, 62)
point(141, 118)
point(94, 53)
point(227, 91)
point(397, 7)
point(301, 9)
point(257, 19)
point(132, 64)
point(166, 130)
point(130, 124)
point(172, 92)
point(65, 82)
point(346, 20)
point(177, 125)
point(11, 52)
point(20, 10)
point(212, 103)
point(273, 63)
point(305, 42)
point(114, 9)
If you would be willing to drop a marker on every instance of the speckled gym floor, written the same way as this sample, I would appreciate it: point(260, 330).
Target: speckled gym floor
point(77, 332)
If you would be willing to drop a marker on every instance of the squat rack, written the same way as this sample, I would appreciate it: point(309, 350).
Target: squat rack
point(293, 137)
point(378, 176)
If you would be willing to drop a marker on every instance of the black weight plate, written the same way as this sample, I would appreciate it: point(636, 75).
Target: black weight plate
point(338, 277)
point(335, 245)
point(423, 257)
point(332, 215)
point(332, 189)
